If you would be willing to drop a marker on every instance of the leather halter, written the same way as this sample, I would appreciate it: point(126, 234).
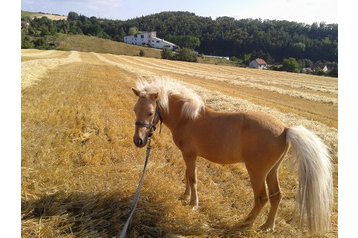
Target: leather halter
point(151, 126)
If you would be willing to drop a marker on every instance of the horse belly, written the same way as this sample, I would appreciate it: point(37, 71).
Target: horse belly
point(223, 159)
point(221, 152)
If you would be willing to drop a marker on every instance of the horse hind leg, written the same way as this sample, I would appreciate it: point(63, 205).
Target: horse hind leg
point(274, 197)
point(257, 179)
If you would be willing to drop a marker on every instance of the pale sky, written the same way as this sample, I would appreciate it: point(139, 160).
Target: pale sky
point(307, 11)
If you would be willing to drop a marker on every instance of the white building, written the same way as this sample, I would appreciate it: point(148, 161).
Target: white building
point(149, 39)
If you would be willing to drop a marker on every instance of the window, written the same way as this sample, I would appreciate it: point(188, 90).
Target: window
point(141, 36)
point(158, 41)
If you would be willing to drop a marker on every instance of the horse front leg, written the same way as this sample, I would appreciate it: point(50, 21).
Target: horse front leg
point(191, 179)
point(187, 185)
point(187, 192)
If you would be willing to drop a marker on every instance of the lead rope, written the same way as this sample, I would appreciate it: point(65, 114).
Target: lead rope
point(137, 193)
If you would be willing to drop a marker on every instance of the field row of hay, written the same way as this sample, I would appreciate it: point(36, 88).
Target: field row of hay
point(34, 70)
point(313, 103)
point(80, 167)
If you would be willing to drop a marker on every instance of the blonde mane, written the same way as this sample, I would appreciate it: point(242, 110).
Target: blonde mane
point(165, 88)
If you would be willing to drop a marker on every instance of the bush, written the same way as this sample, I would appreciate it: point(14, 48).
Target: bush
point(276, 68)
point(291, 65)
point(141, 53)
point(186, 54)
point(26, 43)
point(40, 43)
point(167, 54)
point(320, 72)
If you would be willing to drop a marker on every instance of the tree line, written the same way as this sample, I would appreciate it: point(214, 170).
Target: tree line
point(243, 40)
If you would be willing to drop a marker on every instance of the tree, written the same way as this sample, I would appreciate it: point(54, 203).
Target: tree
point(190, 42)
point(72, 16)
point(40, 43)
point(132, 30)
point(122, 34)
point(305, 63)
point(44, 30)
point(26, 42)
point(291, 65)
point(247, 59)
point(334, 71)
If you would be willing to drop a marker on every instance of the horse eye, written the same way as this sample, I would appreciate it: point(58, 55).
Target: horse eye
point(150, 114)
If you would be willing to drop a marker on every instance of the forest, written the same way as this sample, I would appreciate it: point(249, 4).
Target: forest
point(275, 41)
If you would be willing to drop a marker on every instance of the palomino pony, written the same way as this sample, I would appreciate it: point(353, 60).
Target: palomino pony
point(256, 139)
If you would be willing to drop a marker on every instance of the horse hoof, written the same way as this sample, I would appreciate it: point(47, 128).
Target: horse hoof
point(243, 226)
point(266, 228)
point(195, 208)
point(184, 197)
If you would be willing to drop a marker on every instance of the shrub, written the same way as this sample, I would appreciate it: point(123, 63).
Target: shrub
point(167, 54)
point(291, 65)
point(186, 54)
point(26, 43)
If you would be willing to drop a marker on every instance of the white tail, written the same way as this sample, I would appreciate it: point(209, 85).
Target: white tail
point(315, 193)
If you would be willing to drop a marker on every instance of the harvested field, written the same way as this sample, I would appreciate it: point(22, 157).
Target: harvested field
point(80, 167)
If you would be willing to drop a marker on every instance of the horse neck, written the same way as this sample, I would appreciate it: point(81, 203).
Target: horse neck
point(172, 117)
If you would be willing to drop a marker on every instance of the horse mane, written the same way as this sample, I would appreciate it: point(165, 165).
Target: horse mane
point(193, 103)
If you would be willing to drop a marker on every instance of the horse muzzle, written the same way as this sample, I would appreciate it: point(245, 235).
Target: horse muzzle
point(143, 131)
point(139, 142)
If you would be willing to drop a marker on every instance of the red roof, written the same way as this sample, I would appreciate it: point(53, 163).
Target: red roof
point(260, 61)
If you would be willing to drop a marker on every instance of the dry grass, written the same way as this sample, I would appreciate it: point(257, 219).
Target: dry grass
point(80, 167)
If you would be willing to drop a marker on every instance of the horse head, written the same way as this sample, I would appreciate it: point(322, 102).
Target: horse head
point(147, 116)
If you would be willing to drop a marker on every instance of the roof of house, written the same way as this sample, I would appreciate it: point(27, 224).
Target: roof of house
point(167, 42)
point(260, 61)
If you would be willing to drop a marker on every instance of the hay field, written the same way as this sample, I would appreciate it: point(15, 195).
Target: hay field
point(80, 167)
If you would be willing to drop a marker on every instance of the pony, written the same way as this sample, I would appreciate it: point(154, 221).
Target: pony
point(257, 139)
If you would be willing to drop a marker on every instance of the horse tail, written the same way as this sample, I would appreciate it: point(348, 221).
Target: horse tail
point(315, 193)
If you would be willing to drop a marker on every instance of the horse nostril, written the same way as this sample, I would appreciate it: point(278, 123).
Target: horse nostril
point(138, 142)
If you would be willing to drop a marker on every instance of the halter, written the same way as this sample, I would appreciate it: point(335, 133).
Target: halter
point(151, 126)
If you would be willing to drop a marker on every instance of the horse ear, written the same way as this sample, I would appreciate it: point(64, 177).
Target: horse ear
point(153, 96)
point(136, 92)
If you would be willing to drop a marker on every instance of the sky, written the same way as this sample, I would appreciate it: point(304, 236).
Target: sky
point(306, 11)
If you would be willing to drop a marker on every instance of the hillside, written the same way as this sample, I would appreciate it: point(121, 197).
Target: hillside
point(39, 15)
point(272, 40)
point(245, 39)
point(95, 44)
point(79, 167)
